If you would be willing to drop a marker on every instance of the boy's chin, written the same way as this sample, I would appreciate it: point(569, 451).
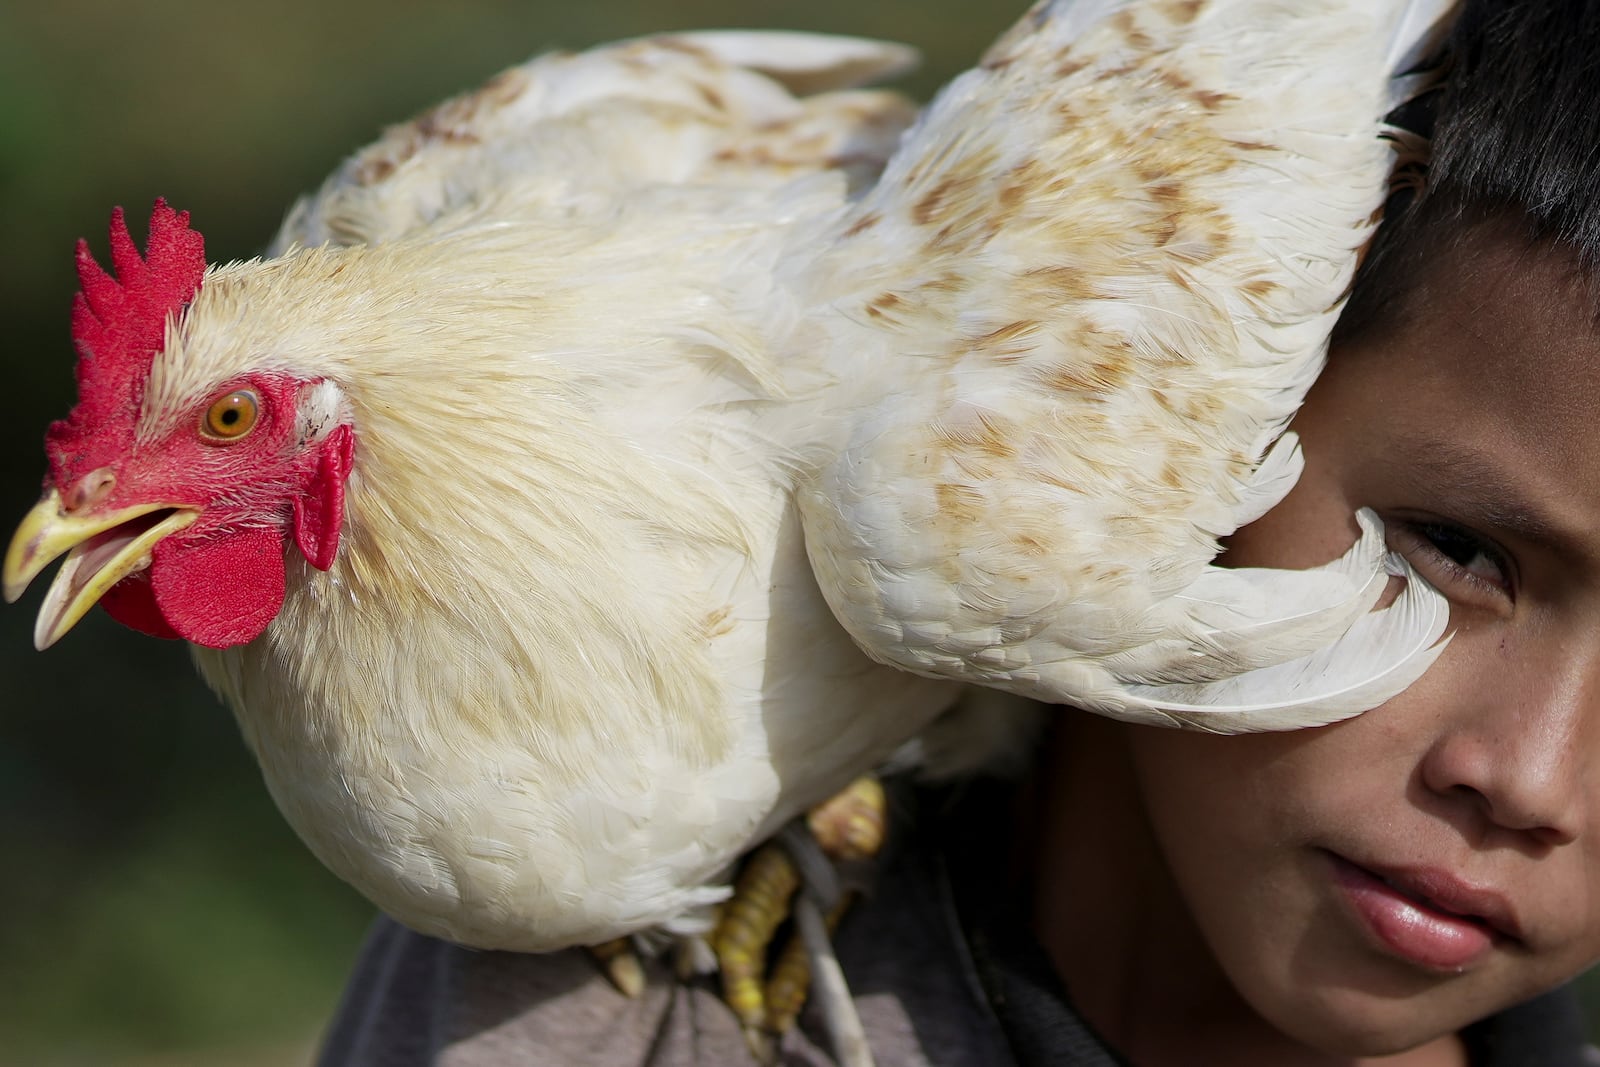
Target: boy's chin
point(1377, 1030)
point(1349, 1019)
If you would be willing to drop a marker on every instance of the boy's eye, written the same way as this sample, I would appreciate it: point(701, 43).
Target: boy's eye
point(1463, 563)
point(1463, 548)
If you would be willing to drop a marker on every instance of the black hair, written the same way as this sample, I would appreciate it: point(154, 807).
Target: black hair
point(1515, 132)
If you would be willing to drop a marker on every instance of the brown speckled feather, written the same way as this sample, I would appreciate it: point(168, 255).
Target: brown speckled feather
point(713, 105)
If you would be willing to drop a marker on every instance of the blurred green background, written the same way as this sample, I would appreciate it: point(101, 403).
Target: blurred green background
point(156, 910)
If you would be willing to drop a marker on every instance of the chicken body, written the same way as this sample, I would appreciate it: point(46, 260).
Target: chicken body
point(555, 708)
point(568, 660)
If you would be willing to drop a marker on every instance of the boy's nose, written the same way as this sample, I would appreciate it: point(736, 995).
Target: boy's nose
point(1519, 752)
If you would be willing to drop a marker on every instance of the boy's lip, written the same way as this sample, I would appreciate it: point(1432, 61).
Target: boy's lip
point(1427, 915)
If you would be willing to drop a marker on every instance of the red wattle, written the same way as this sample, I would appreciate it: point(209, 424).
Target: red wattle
point(133, 603)
point(223, 591)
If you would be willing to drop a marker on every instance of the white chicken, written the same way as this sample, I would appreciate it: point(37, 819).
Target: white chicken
point(512, 407)
point(478, 498)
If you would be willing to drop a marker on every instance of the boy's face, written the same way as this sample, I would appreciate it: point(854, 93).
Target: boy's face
point(1322, 866)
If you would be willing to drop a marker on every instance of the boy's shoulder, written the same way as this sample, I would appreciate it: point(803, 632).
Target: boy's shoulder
point(415, 1001)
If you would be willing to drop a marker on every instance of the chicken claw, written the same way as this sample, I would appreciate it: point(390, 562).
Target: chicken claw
point(621, 963)
point(850, 825)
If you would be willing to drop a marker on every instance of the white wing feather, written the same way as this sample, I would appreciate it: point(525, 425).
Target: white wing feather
point(1383, 652)
point(1085, 298)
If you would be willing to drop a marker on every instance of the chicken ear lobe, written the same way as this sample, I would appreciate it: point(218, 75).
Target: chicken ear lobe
point(220, 592)
point(319, 511)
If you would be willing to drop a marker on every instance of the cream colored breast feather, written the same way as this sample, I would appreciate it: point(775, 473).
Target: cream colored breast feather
point(1071, 323)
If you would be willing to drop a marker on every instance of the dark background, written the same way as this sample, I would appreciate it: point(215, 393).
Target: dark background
point(154, 910)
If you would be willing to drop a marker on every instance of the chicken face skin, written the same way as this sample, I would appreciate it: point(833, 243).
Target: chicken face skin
point(183, 533)
point(1258, 895)
point(175, 484)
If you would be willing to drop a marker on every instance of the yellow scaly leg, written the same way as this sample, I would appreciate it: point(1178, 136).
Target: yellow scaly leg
point(750, 917)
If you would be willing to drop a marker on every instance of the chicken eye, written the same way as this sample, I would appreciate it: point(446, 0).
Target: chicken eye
point(232, 416)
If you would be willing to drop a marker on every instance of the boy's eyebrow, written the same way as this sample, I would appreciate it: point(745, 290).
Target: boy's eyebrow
point(1474, 484)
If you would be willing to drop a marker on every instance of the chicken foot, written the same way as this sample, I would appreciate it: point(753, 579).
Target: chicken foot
point(847, 828)
point(620, 962)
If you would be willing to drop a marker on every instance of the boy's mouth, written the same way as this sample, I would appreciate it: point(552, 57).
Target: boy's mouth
point(1426, 915)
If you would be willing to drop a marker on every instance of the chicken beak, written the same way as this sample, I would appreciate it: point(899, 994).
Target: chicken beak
point(102, 549)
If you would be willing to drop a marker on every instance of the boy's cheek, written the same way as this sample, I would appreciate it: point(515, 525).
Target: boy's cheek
point(1314, 524)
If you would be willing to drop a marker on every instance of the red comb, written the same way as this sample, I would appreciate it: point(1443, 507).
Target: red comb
point(119, 324)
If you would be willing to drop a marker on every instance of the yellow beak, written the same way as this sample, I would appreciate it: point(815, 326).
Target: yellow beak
point(103, 548)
